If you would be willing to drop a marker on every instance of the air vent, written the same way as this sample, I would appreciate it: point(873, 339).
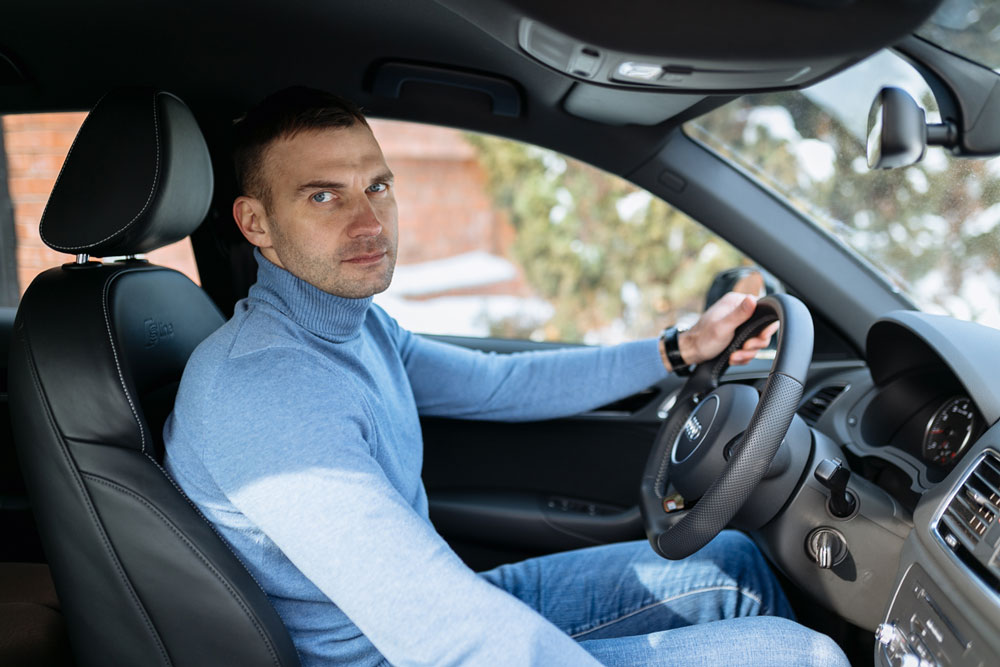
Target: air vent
point(814, 406)
point(968, 526)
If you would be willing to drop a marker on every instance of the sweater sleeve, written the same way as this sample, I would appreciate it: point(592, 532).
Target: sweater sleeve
point(302, 469)
point(452, 381)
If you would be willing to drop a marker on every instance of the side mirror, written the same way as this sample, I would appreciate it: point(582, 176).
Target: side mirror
point(898, 133)
point(744, 279)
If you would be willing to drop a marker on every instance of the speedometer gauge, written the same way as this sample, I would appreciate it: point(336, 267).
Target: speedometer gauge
point(949, 431)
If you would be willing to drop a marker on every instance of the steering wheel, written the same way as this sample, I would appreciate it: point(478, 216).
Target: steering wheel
point(706, 447)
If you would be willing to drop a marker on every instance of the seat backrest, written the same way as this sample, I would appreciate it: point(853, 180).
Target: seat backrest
point(97, 354)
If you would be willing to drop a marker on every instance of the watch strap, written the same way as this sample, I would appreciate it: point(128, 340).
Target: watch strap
point(673, 351)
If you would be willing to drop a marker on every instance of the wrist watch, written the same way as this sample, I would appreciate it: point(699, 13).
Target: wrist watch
point(668, 339)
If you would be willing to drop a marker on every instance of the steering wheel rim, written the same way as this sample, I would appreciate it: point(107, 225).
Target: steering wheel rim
point(751, 453)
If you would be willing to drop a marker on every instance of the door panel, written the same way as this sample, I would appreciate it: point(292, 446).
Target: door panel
point(500, 492)
point(534, 488)
point(503, 491)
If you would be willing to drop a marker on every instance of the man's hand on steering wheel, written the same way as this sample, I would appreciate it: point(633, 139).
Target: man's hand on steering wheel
point(714, 330)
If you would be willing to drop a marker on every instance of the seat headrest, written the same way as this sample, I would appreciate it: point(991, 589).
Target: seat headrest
point(138, 177)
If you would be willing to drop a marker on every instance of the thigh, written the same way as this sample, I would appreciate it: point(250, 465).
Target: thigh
point(765, 641)
point(626, 589)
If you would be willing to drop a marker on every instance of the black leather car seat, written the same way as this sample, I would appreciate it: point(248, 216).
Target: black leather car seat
point(97, 354)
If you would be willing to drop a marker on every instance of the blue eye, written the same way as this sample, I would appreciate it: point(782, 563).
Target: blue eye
point(378, 187)
point(322, 197)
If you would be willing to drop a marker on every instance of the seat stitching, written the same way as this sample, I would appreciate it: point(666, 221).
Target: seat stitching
point(114, 352)
point(211, 568)
point(121, 377)
point(149, 198)
point(89, 505)
point(41, 224)
point(213, 529)
point(665, 601)
point(205, 519)
point(135, 414)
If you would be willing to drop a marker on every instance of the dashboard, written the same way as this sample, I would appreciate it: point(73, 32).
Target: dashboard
point(915, 413)
point(921, 422)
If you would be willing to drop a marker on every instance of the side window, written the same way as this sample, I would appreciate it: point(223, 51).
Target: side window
point(32, 150)
point(503, 239)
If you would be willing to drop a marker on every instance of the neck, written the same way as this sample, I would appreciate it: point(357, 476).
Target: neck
point(329, 316)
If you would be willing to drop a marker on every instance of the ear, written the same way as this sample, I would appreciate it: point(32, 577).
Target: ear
point(251, 218)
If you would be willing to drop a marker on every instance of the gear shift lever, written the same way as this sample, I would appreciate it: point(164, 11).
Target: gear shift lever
point(832, 474)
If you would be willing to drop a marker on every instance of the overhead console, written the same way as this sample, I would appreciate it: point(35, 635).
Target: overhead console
point(584, 61)
point(655, 45)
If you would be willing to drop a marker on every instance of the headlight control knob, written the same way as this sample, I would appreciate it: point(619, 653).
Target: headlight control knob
point(827, 547)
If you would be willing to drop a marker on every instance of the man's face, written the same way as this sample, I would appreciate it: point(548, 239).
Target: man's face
point(332, 215)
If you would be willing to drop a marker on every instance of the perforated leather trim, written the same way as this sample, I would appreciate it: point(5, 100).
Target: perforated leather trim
point(749, 463)
point(719, 366)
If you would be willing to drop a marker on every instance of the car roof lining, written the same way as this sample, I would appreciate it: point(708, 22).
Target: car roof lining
point(230, 58)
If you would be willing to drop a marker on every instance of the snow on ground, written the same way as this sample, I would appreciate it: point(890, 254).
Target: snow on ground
point(465, 315)
point(465, 271)
point(459, 315)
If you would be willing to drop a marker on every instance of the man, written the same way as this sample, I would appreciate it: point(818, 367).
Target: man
point(296, 432)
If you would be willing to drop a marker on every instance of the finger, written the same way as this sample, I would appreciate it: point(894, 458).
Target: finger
point(761, 340)
point(755, 344)
point(741, 357)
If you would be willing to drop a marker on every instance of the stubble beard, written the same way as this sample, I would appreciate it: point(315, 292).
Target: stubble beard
point(327, 274)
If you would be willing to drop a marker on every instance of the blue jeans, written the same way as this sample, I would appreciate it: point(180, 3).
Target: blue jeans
point(627, 606)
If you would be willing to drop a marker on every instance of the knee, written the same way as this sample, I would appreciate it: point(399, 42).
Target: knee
point(806, 647)
point(824, 652)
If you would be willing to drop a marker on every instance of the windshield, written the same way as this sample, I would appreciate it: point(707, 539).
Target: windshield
point(970, 28)
point(932, 229)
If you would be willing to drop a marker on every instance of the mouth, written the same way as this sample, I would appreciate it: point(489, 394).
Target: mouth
point(363, 260)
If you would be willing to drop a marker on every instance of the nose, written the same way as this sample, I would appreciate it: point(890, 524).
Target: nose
point(365, 221)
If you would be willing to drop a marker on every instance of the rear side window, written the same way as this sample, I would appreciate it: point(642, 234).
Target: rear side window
point(503, 239)
point(32, 150)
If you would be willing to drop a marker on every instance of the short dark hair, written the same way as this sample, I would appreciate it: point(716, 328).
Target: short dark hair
point(282, 115)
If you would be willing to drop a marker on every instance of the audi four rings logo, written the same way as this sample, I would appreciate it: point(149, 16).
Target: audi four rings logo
point(693, 427)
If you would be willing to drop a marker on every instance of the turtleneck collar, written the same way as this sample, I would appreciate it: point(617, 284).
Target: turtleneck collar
point(332, 317)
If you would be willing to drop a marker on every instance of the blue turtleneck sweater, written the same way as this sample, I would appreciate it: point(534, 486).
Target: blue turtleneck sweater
point(295, 431)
